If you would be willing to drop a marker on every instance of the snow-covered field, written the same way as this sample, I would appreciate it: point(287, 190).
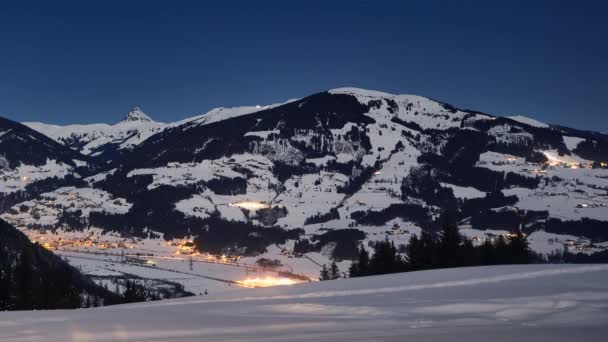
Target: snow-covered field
point(567, 191)
point(505, 303)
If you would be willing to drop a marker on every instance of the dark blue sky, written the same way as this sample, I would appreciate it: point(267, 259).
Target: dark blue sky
point(81, 62)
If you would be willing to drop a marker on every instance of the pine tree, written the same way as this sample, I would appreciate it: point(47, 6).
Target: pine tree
point(360, 267)
point(501, 250)
point(353, 270)
point(96, 301)
point(5, 290)
point(334, 271)
point(422, 252)
point(134, 293)
point(469, 254)
point(487, 253)
point(449, 252)
point(386, 259)
point(519, 250)
point(24, 282)
point(324, 273)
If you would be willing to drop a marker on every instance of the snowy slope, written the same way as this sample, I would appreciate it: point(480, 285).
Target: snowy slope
point(425, 112)
point(528, 121)
point(508, 303)
point(223, 113)
point(31, 163)
point(96, 139)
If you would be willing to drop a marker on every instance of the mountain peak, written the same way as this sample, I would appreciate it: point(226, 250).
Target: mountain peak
point(136, 115)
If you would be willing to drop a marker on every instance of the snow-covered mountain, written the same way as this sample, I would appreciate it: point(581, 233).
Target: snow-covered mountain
point(110, 142)
point(136, 115)
point(103, 140)
point(528, 121)
point(32, 163)
point(323, 174)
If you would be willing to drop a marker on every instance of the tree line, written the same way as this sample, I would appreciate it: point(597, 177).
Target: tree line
point(445, 249)
point(33, 278)
point(41, 281)
point(38, 283)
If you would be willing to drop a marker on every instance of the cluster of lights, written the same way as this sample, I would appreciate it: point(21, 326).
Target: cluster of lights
point(187, 247)
point(513, 235)
point(184, 247)
point(250, 205)
point(554, 160)
point(62, 242)
point(267, 281)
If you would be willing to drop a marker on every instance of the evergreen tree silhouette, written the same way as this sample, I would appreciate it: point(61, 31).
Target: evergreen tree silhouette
point(360, 267)
point(519, 250)
point(449, 252)
point(24, 279)
point(324, 273)
point(334, 271)
point(386, 259)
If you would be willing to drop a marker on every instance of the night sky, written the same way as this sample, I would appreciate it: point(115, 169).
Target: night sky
point(85, 61)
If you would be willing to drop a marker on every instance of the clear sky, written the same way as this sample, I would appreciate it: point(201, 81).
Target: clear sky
point(91, 61)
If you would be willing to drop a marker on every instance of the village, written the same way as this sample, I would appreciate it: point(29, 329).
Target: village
point(97, 254)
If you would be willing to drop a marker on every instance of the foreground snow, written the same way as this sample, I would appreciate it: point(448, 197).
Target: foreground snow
point(524, 303)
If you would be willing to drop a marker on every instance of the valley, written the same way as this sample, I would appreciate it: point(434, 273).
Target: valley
point(111, 260)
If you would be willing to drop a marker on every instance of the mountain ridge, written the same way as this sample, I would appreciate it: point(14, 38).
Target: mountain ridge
point(221, 113)
point(339, 169)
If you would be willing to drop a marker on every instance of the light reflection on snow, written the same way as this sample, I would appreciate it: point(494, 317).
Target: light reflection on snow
point(267, 281)
point(250, 205)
